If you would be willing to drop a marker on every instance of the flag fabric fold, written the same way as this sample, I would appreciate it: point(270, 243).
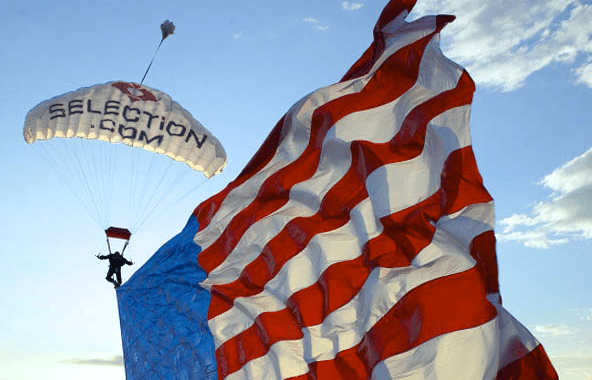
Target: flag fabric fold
point(358, 242)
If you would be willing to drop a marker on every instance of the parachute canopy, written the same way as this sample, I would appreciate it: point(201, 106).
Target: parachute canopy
point(132, 114)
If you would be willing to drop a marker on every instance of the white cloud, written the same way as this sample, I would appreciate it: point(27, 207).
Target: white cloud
point(317, 25)
point(116, 361)
point(349, 6)
point(584, 74)
point(237, 35)
point(566, 216)
point(503, 42)
point(587, 315)
point(552, 329)
point(573, 366)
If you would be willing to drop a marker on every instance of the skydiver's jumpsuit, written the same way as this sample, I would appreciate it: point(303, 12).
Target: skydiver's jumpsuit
point(116, 261)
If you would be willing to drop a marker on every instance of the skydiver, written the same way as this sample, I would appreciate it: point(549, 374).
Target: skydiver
point(116, 261)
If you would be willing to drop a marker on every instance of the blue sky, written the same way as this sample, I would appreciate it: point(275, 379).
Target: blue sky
point(238, 66)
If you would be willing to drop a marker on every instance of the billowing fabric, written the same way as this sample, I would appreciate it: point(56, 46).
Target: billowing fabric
point(358, 242)
point(129, 113)
point(163, 315)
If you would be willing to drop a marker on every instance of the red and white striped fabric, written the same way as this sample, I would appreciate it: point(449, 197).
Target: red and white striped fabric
point(358, 242)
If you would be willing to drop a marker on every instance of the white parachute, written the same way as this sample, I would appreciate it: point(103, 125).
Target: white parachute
point(112, 137)
point(132, 114)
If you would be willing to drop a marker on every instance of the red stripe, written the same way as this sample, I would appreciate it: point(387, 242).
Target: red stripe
point(346, 194)
point(393, 79)
point(483, 251)
point(437, 307)
point(535, 365)
point(465, 181)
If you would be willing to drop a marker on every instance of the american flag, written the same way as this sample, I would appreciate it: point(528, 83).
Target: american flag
point(358, 242)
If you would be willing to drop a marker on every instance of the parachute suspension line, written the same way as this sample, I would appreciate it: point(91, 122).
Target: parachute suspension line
point(136, 198)
point(134, 184)
point(70, 170)
point(89, 170)
point(109, 161)
point(170, 186)
point(98, 172)
point(143, 183)
point(153, 200)
point(167, 29)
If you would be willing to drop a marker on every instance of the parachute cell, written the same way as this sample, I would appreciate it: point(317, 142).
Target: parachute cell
point(132, 114)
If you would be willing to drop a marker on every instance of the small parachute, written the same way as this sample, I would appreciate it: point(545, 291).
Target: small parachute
point(167, 28)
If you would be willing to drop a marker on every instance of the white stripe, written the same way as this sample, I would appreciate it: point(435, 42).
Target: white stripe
point(460, 355)
point(481, 217)
point(305, 199)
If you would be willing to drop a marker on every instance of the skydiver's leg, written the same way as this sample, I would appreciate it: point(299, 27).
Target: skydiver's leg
point(110, 276)
point(118, 274)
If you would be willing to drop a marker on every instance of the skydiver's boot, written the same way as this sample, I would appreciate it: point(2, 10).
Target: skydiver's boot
point(111, 280)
